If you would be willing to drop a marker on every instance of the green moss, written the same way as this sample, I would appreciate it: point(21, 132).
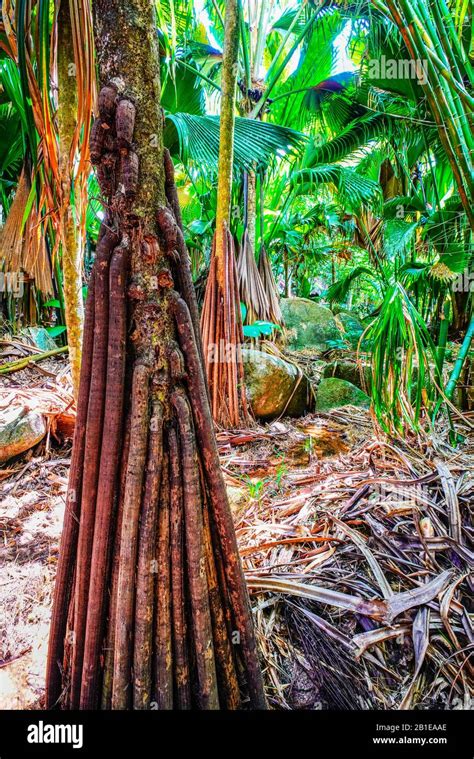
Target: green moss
point(333, 392)
point(308, 324)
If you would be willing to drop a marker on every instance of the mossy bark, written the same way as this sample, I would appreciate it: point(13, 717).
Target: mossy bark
point(143, 399)
point(221, 321)
point(71, 237)
point(226, 134)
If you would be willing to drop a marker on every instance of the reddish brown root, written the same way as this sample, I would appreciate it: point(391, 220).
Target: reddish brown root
point(95, 415)
point(163, 641)
point(125, 123)
point(222, 516)
point(121, 692)
point(196, 562)
point(107, 102)
point(110, 641)
point(180, 648)
point(226, 675)
point(184, 274)
point(109, 459)
point(147, 564)
point(96, 142)
point(68, 547)
point(129, 173)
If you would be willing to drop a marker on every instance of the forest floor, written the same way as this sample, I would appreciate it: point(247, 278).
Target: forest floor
point(356, 553)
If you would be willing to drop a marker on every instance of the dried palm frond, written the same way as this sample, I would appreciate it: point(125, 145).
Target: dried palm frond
point(361, 561)
point(252, 292)
point(12, 233)
point(222, 337)
point(22, 246)
point(270, 288)
point(31, 41)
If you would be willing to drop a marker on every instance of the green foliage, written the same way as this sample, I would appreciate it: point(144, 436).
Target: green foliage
point(338, 291)
point(405, 372)
point(56, 331)
point(361, 205)
point(260, 329)
point(353, 189)
point(196, 140)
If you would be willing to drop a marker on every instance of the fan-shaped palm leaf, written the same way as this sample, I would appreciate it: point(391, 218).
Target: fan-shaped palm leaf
point(352, 187)
point(404, 363)
point(354, 137)
point(196, 140)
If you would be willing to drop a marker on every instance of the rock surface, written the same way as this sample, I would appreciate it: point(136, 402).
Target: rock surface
point(270, 382)
point(20, 429)
point(308, 324)
point(349, 371)
point(333, 392)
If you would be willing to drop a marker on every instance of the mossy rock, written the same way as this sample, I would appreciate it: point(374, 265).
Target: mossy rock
point(349, 371)
point(20, 430)
point(308, 324)
point(270, 382)
point(333, 392)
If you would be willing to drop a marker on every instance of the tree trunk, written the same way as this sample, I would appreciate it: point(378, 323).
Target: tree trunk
point(71, 240)
point(142, 537)
point(221, 321)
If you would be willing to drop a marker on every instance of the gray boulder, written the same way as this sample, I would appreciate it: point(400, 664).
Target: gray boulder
point(308, 324)
point(349, 371)
point(20, 430)
point(270, 382)
point(333, 393)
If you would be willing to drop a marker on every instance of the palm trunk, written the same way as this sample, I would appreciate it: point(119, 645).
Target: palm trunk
point(221, 322)
point(226, 133)
point(143, 405)
point(252, 209)
point(71, 236)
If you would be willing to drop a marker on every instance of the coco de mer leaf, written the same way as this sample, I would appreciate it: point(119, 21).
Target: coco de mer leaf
point(381, 610)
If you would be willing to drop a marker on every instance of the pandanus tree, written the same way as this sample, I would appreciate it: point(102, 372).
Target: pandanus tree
point(150, 602)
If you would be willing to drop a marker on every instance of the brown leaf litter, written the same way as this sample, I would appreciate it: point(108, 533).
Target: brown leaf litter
point(357, 552)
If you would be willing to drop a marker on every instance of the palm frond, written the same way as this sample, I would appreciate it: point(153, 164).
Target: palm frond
point(183, 92)
point(402, 206)
point(196, 140)
point(338, 291)
point(353, 188)
point(356, 136)
point(404, 364)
